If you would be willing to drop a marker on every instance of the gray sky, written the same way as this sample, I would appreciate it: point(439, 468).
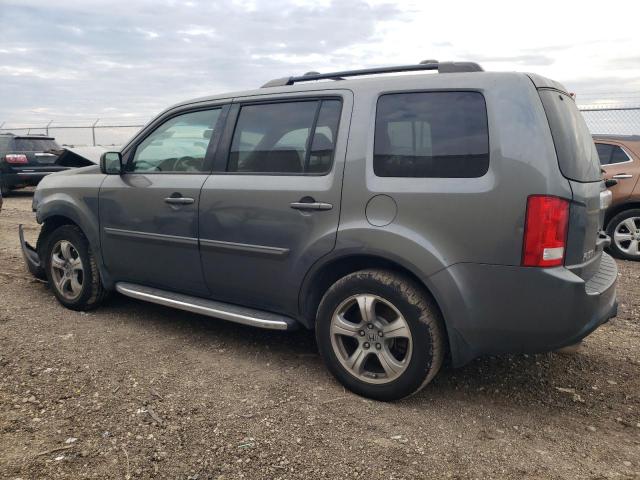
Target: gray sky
point(71, 60)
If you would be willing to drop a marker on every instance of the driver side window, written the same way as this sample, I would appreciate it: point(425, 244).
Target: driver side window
point(179, 145)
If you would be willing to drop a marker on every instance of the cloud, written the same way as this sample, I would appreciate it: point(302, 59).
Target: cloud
point(79, 58)
point(82, 57)
point(524, 59)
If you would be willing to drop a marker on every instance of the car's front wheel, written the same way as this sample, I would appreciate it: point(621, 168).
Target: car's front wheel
point(624, 230)
point(72, 270)
point(380, 334)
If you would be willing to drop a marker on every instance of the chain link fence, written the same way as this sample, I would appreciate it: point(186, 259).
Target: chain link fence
point(612, 120)
point(606, 120)
point(95, 132)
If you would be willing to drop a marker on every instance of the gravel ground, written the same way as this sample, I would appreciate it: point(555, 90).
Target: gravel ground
point(135, 390)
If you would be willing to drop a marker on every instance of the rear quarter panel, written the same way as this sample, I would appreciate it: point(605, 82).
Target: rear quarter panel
point(444, 221)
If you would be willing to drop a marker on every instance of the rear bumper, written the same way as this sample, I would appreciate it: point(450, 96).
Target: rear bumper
point(493, 309)
point(27, 176)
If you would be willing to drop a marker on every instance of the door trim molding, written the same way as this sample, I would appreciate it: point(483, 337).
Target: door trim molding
point(157, 237)
point(244, 248)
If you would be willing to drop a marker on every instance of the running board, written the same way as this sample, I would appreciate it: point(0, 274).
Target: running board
point(224, 311)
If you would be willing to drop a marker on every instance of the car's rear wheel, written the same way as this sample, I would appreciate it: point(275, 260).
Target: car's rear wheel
point(72, 270)
point(380, 334)
point(624, 230)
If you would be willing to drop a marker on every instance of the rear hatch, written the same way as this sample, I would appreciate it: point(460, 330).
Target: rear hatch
point(579, 163)
point(38, 150)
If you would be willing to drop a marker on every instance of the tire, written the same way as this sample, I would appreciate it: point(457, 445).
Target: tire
point(625, 243)
point(384, 368)
point(4, 190)
point(78, 263)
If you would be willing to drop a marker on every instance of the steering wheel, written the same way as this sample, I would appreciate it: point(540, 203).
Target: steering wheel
point(187, 164)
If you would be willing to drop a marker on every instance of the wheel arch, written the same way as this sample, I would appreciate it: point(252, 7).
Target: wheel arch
point(326, 273)
point(55, 214)
point(617, 209)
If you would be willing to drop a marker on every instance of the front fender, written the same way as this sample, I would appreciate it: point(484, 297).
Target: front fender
point(81, 210)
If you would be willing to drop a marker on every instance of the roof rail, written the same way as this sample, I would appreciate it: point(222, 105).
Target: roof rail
point(441, 67)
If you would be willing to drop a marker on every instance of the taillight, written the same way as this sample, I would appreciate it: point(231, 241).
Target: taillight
point(16, 159)
point(545, 231)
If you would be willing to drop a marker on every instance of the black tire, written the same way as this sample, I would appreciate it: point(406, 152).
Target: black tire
point(92, 292)
point(611, 227)
point(420, 314)
point(4, 190)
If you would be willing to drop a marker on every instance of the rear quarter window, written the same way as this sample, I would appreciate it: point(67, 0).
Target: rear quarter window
point(431, 135)
point(577, 155)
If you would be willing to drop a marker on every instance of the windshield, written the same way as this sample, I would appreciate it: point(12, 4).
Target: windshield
point(577, 155)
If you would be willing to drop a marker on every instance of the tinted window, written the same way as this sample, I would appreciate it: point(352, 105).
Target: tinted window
point(604, 152)
point(324, 138)
point(287, 138)
point(576, 152)
point(618, 155)
point(431, 134)
point(178, 145)
point(35, 144)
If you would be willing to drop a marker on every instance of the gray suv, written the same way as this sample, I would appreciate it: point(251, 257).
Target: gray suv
point(404, 218)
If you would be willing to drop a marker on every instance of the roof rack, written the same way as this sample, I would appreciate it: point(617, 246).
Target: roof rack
point(441, 67)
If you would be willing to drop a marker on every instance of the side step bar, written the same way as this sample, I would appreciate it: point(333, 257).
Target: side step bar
point(224, 311)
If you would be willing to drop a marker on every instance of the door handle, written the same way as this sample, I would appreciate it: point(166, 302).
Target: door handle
point(622, 175)
point(311, 206)
point(179, 200)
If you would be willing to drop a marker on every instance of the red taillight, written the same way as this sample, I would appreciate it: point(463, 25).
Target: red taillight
point(16, 159)
point(545, 231)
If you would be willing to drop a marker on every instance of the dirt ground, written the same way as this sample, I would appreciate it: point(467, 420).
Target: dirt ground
point(135, 390)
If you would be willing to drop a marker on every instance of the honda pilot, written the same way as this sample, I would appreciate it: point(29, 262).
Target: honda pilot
point(447, 213)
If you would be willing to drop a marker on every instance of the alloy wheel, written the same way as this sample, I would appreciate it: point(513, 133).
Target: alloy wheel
point(371, 338)
point(627, 236)
point(67, 270)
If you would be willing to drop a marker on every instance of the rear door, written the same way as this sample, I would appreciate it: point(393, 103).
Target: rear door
point(38, 150)
point(271, 207)
point(149, 214)
point(620, 165)
point(579, 163)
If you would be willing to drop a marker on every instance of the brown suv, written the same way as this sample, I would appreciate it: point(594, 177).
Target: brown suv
point(620, 159)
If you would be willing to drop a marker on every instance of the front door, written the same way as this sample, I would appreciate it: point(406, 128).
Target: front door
point(149, 214)
point(272, 205)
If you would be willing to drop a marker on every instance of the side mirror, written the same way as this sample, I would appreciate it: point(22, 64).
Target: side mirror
point(111, 163)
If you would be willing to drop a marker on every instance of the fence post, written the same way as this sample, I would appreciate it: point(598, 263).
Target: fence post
point(47, 127)
point(93, 131)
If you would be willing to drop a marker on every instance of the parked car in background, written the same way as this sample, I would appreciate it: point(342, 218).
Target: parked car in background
point(403, 218)
point(25, 160)
point(620, 159)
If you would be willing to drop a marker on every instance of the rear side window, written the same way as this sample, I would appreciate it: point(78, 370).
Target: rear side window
point(576, 152)
point(285, 138)
point(35, 144)
point(431, 134)
point(604, 153)
point(618, 155)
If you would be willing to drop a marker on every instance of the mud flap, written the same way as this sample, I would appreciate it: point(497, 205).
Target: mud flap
point(30, 256)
